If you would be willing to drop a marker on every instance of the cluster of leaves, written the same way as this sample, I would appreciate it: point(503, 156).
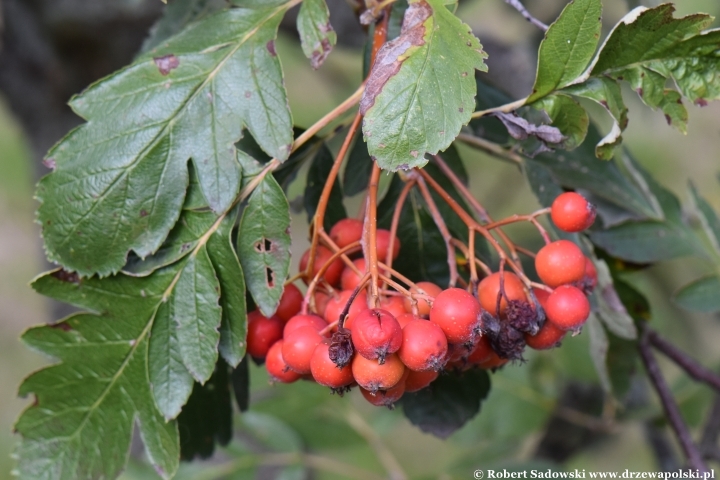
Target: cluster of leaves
point(161, 215)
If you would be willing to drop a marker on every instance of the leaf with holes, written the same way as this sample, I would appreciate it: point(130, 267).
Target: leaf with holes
point(317, 36)
point(264, 244)
point(119, 180)
point(568, 47)
point(421, 89)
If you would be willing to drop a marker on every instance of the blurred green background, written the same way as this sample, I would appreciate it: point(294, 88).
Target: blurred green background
point(344, 433)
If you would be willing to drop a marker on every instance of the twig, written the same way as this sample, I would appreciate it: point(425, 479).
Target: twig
point(507, 108)
point(440, 224)
point(672, 412)
point(683, 360)
point(490, 147)
point(389, 462)
point(523, 11)
point(708, 442)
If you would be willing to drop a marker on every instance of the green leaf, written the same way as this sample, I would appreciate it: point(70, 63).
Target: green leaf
point(675, 48)
point(615, 181)
point(178, 15)
point(651, 241)
point(701, 295)
point(357, 168)
point(233, 328)
point(447, 403)
point(317, 36)
point(316, 178)
point(241, 384)
point(119, 180)
point(568, 116)
point(568, 47)
point(610, 309)
point(264, 244)
point(207, 417)
point(708, 218)
point(421, 89)
point(169, 378)
point(621, 364)
point(599, 345)
point(197, 314)
point(606, 93)
point(81, 422)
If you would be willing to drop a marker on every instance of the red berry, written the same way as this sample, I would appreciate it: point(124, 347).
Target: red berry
point(299, 346)
point(418, 380)
point(424, 346)
point(406, 318)
point(371, 375)
point(262, 332)
point(303, 321)
point(382, 240)
point(322, 255)
point(489, 288)
point(570, 212)
point(590, 279)
point(325, 372)
point(376, 333)
point(541, 296)
point(567, 307)
point(346, 231)
point(427, 288)
point(278, 370)
point(393, 304)
point(548, 336)
point(290, 302)
point(457, 313)
point(385, 398)
point(559, 263)
point(481, 352)
point(494, 361)
point(321, 301)
point(336, 304)
point(349, 280)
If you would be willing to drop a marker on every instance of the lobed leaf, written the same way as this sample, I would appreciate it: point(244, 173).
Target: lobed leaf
point(568, 47)
point(317, 36)
point(178, 15)
point(421, 88)
point(119, 180)
point(264, 244)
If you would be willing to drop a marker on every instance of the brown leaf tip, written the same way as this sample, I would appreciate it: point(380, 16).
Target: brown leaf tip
point(388, 60)
point(49, 163)
point(65, 276)
point(166, 63)
point(271, 48)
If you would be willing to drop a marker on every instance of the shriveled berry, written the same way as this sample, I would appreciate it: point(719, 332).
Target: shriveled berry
point(457, 313)
point(424, 346)
point(322, 255)
point(290, 302)
point(489, 288)
point(325, 372)
point(376, 333)
point(560, 263)
point(426, 288)
point(346, 231)
point(567, 307)
point(372, 376)
point(298, 348)
point(571, 212)
point(278, 370)
point(262, 332)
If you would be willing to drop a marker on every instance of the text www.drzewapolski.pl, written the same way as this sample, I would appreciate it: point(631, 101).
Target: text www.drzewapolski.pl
point(586, 474)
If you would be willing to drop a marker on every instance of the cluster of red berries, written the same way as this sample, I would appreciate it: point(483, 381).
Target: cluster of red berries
point(404, 344)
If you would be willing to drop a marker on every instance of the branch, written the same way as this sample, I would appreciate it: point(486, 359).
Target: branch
point(708, 442)
point(392, 466)
point(683, 360)
point(692, 453)
point(523, 11)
